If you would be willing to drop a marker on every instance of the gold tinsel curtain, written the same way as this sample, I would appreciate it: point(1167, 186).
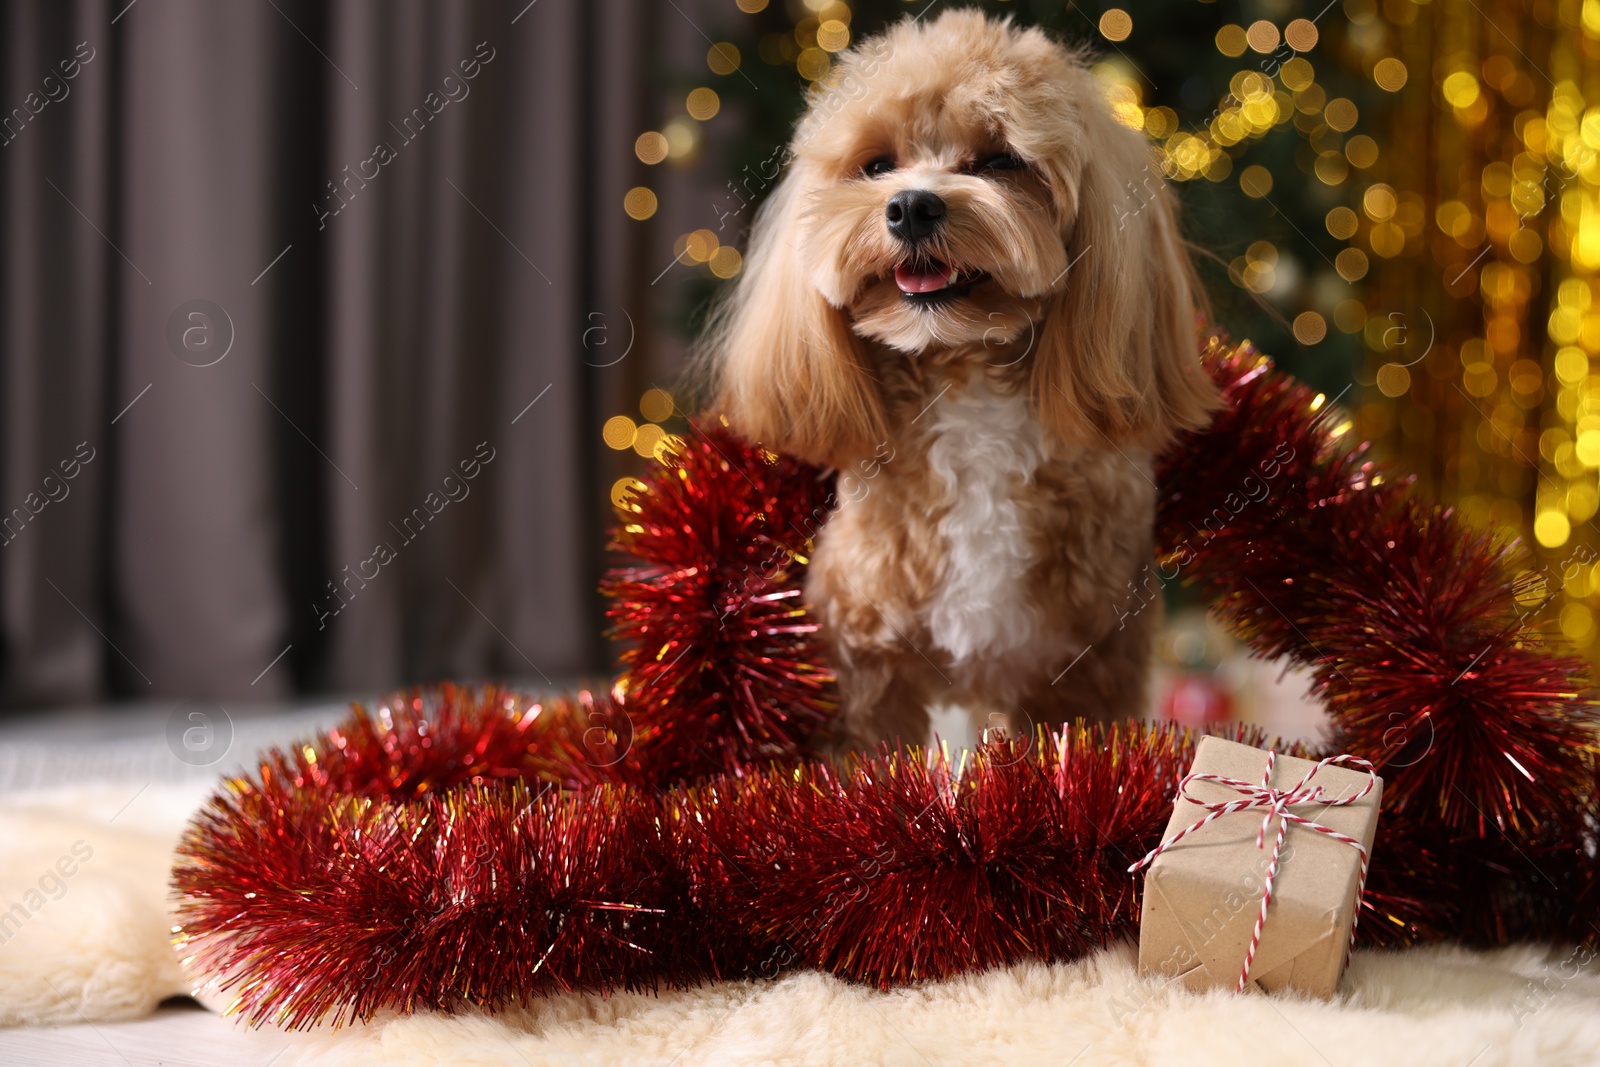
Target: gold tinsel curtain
point(1482, 310)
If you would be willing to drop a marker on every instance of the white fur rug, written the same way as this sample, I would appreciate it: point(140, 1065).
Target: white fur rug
point(92, 946)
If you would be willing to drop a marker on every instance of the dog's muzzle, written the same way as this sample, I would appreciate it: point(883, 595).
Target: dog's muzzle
point(914, 214)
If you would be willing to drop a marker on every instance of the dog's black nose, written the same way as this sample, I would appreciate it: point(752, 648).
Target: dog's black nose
point(913, 214)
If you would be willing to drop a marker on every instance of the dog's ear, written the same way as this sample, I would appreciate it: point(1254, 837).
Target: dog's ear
point(790, 373)
point(1118, 350)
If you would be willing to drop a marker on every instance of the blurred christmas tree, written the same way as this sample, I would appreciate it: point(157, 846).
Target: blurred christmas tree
point(1253, 124)
point(1398, 199)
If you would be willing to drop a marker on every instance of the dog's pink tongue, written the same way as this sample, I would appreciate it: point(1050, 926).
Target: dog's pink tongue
point(921, 281)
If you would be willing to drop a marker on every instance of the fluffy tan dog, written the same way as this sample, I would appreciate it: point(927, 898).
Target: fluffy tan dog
point(968, 294)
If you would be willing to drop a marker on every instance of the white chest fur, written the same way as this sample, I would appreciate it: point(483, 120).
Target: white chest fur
point(985, 445)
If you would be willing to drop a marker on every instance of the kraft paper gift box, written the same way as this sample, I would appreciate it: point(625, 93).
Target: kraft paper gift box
point(1203, 894)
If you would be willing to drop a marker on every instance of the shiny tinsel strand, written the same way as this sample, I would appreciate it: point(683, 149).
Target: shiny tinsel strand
point(304, 905)
point(906, 865)
point(722, 667)
point(1406, 617)
point(428, 740)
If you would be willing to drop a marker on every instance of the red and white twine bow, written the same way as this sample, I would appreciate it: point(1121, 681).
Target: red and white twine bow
point(1276, 804)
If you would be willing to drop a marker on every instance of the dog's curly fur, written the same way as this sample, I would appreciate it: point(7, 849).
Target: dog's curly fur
point(993, 436)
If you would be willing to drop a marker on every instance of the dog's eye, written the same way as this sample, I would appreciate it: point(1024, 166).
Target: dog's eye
point(874, 168)
point(1003, 161)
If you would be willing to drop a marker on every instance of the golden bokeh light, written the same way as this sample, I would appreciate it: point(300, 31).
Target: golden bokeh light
point(1551, 529)
point(1124, 101)
point(640, 203)
point(1526, 246)
point(702, 103)
point(1309, 101)
point(646, 438)
point(1390, 74)
point(1301, 35)
point(1351, 264)
point(1331, 167)
point(622, 491)
point(656, 405)
point(725, 262)
point(1256, 181)
point(813, 63)
point(1341, 114)
point(1297, 74)
point(1387, 240)
point(1160, 121)
point(1378, 201)
point(1310, 327)
point(1393, 380)
point(669, 445)
point(1231, 40)
point(1577, 620)
point(1349, 315)
point(699, 246)
point(1116, 24)
point(619, 432)
point(833, 36)
point(723, 57)
point(1343, 223)
point(1361, 151)
point(1262, 36)
point(1453, 217)
point(1572, 365)
point(650, 147)
point(1460, 89)
point(682, 137)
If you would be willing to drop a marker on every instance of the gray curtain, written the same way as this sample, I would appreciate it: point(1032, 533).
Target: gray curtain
point(301, 387)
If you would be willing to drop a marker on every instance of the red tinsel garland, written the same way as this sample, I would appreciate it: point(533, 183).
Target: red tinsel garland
point(1407, 619)
point(402, 861)
point(901, 868)
point(711, 617)
point(321, 889)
